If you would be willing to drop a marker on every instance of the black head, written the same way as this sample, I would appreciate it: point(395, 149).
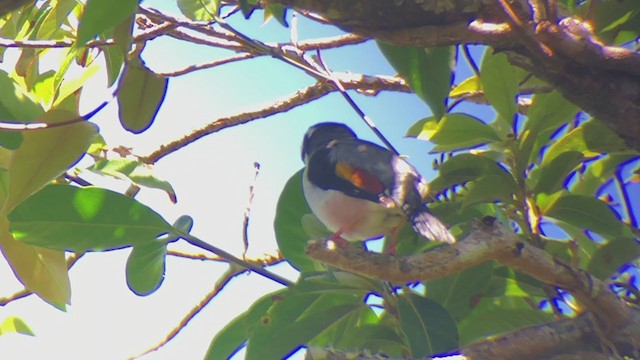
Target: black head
point(320, 135)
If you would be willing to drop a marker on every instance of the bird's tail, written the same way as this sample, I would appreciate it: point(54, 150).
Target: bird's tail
point(431, 228)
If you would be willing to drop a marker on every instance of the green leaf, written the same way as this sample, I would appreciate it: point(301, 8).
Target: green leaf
point(134, 170)
point(549, 111)
point(16, 103)
point(101, 15)
point(199, 10)
point(115, 56)
point(13, 324)
point(586, 213)
point(229, 340)
point(468, 86)
point(610, 256)
point(463, 168)
point(10, 140)
point(481, 324)
point(140, 94)
point(598, 172)
point(453, 131)
point(295, 320)
point(500, 83)
point(506, 282)
point(460, 292)
point(427, 70)
point(65, 217)
point(553, 174)
point(146, 266)
point(290, 235)
point(592, 138)
point(42, 271)
point(45, 154)
point(490, 188)
point(428, 327)
point(275, 11)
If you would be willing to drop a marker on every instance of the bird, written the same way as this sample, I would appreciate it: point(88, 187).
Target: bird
point(361, 191)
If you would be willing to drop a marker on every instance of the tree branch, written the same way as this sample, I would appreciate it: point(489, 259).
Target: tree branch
point(363, 83)
point(490, 242)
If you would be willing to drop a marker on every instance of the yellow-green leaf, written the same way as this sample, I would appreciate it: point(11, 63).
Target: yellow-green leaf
point(14, 324)
point(45, 154)
point(42, 271)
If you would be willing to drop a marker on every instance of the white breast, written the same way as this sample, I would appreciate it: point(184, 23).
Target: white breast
point(358, 219)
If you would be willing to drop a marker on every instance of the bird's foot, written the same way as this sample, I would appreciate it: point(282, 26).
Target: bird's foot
point(337, 239)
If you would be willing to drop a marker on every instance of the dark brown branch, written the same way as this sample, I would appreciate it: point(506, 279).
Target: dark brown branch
point(485, 243)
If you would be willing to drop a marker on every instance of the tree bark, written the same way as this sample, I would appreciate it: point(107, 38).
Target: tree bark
point(602, 80)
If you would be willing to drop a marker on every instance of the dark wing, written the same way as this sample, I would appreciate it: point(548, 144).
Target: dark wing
point(358, 168)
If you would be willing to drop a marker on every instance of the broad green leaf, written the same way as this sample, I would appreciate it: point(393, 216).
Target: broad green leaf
point(94, 20)
point(610, 256)
point(134, 170)
point(553, 174)
point(16, 103)
point(71, 85)
point(45, 154)
point(490, 188)
point(549, 111)
point(140, 94)
point(295, 320)
point(427, 70)
point(507, 282)
point(114, 56)
point(199, 10)
point(453, 132)
point(460, 292)
point(371, 338)
point(598, 172)
point(467, 167)
point(591, 139)
point(468, 86)
point(290, 235)
point(146, 266)
point(586, 213)
point(10, 140)
point(65, 217)
point(14, 324)
point(41, 271)
point(229, 340)
point(481, 324)
point(586, 246)
point(500, 83)
point(275, 11)
point(428, 327)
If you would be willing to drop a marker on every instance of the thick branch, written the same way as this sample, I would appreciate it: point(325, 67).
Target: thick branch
point(490, 242)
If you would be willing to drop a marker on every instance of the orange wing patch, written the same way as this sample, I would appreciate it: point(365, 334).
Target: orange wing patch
point(359, 178)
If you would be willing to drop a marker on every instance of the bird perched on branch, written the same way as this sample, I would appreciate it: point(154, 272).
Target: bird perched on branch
point(361, 191)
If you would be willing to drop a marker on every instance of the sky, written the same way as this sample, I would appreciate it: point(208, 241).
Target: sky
point(211, 178)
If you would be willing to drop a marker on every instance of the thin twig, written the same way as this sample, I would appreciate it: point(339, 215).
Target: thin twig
point(232, 259)
point(367, 120)
point(220, 284)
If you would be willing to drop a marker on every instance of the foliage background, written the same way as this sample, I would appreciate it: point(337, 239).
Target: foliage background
point(212, 174)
